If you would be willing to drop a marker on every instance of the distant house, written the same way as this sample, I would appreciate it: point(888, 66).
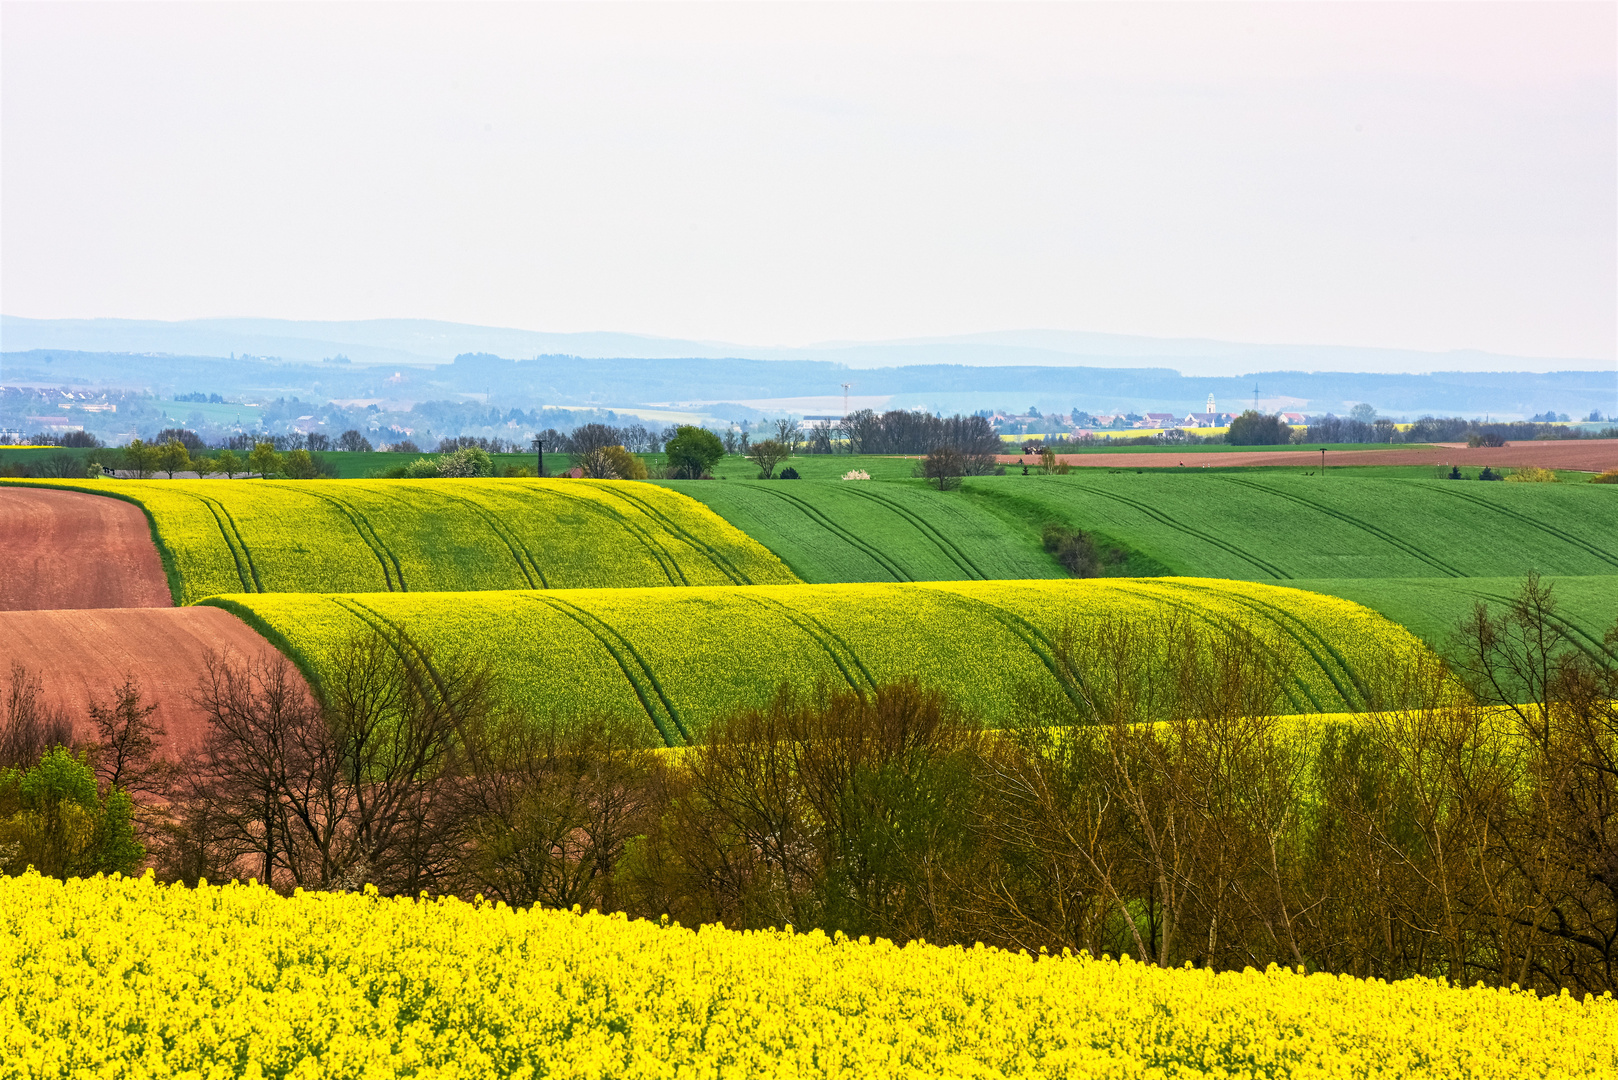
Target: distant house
point(1161, 419)
point(1294, 418)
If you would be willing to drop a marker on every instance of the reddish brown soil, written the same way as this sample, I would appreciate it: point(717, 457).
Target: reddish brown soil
point(1590, 455)
point(67, 549)
point(81, 655)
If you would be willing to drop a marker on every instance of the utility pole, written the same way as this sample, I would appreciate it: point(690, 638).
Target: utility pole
point(1255, 397)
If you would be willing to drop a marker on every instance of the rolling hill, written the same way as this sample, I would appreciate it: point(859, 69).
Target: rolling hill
point(402, 535)
point(680, 657)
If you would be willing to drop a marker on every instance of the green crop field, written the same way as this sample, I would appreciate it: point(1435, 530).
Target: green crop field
point(1431, 607)
point(834, 531)
point(1273, 526)
point(409, 535)
point(1280, 526)
point(680, 657)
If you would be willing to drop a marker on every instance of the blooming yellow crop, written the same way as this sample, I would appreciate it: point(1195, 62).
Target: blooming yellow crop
point(428, 535)
point(124, 977)
point(683, 656)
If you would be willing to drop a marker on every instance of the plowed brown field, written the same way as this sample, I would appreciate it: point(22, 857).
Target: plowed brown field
point(1589, 455)
point(66, 549)
point(81, 655)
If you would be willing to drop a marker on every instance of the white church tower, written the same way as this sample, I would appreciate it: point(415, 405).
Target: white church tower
point(1210, 405)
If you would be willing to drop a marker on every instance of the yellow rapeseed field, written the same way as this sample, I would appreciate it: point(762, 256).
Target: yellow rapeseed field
point(432, 535)
point(125, 977)
point(681, 657)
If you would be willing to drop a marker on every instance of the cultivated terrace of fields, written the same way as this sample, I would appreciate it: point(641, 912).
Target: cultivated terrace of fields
point(893, 766)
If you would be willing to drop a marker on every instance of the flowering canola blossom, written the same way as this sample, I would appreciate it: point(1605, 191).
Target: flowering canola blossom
point(125, 977)
point(680, 657)
point(429, 535)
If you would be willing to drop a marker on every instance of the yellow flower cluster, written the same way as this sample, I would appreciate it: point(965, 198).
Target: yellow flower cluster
point(124, 977)
point(684, 656)
point(428, 535)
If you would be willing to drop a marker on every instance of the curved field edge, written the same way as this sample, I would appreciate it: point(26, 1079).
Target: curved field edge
point(218, 537)
point(171, 572)
point(678, 658)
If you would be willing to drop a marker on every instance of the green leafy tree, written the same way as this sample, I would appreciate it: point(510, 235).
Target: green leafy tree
point(767, 454)
point(173, 457)
point(300, 465)
point(53, 818)
point(230, 463)
point(693, 452)
point(1253, 428)
point(140, 459)
point(264, 460)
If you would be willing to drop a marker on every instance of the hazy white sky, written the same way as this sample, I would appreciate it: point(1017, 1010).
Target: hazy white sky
point(1428, 176)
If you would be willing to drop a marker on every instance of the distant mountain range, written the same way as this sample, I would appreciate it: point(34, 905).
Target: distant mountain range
point(404, 359)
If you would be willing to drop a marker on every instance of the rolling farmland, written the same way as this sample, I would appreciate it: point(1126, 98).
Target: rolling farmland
point(108, 976)
point(1281, 526)
point(866, 531)
point(1587, 607)
point(405, 536)
point(680, 657)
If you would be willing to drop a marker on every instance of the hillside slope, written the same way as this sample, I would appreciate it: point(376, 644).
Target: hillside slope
point(414, 535)
point(680, 657)
point(1281, 526)
point(837, 531)
point(1430, 608)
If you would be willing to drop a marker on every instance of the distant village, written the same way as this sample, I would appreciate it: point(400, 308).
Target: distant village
point(1079, 424)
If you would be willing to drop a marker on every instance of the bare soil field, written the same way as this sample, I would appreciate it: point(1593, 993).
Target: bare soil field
point(1589, 455)
point(82, 655)
point(65, 549)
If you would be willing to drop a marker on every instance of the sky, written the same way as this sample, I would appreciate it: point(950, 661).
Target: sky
point(1422, 176)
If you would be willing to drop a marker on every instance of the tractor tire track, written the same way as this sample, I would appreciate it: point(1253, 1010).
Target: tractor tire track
point(1567, 538)
point(247, 554)
point(826, 638)
point(529, 569)
point(1364, 526)
point(724, 565)
point(815, 515)
point(1037, 641)
point(601, 629)
point(370, 538)
point(242, 574)
point(1355, 695)
point(1163, 519)
point(665, 561)
point(928, 530)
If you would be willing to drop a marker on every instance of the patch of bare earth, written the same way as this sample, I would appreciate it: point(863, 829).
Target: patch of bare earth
point(67, 549)
point(1588, 455)
point(85, 605)
point(84, 654)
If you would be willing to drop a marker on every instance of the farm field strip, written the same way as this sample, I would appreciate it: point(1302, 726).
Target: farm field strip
point(1164, 519)
point(680, 657)
point(1278, 526)
point(850, 531)
point(1587, 607)
point(113, 976)
point(1607, 556)
point(1353, 522)
point(444, 535)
